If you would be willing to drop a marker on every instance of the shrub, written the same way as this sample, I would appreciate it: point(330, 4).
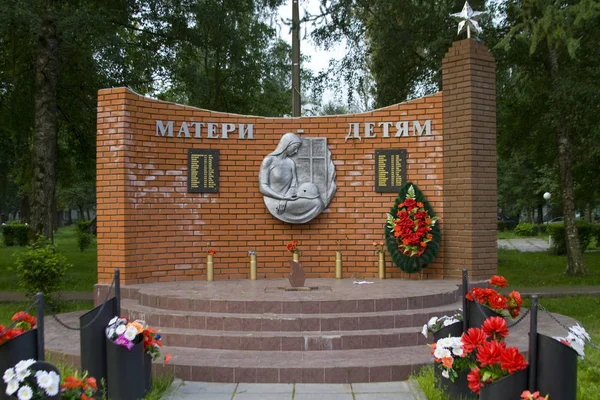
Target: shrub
point(40, 269)
point(541, 228)
point(83, 225)
point(559, 242)
point(15, 233)
point(596, 233)
point(505, 225)
point(82, 233)
point(525, 229)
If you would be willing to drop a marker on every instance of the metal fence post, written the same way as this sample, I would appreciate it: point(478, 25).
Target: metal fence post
point(533, 344)
point(40, 326)
point(118, 290)
point(465, 290)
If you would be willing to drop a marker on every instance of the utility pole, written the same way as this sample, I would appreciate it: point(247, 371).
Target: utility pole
point(295, 59)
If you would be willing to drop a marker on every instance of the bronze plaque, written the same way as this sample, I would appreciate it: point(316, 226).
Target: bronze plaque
point(203, 171)
point(390, 170)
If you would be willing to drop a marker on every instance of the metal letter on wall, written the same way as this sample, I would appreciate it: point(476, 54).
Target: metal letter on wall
point(203, 171)
point(297, 179)
point(390, 170)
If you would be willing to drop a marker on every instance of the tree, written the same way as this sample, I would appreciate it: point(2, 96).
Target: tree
point(223, 56)
point(54, 56)
point(553, 31)
point(401, 44)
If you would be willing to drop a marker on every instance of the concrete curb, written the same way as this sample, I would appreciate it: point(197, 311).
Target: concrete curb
point(416, 390)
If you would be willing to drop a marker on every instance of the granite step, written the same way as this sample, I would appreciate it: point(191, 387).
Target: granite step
point(286, 322)
point(293, 341)
point(296, 306)
point(268, 296)
point(344, 366)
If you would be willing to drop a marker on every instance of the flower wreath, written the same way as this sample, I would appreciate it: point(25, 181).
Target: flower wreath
point(412, 235)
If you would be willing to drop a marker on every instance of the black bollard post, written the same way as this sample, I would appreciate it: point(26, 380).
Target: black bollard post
point(465, 290)
point(118, 290)
point(40, 326)
point(533, 335)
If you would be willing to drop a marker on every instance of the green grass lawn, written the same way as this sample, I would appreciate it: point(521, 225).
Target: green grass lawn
point(81, 277)
point(585, 309)
point(543, 269)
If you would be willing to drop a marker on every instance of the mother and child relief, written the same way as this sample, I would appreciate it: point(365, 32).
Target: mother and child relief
point(297, 179)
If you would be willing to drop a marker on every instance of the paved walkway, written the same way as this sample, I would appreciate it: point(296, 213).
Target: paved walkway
point(180, 390)
point(524, 244)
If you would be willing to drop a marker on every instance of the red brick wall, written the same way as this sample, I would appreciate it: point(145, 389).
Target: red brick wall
point(470, 197)
point(151, 228)
point(154, 230)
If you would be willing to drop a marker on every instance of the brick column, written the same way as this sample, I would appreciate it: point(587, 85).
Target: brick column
point(113, 139)
point(470, 177)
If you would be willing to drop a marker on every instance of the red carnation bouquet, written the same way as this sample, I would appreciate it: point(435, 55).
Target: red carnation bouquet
point(411, 225)
point(493, 358)
point(24, 323)
point(293, 247)
point(508, 306)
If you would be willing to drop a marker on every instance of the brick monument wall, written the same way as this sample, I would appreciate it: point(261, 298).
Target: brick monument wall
point(153, 229)
point(470, 195)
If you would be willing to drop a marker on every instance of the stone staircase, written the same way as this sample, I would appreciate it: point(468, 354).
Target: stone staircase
point(251, 331)
point(294, 337)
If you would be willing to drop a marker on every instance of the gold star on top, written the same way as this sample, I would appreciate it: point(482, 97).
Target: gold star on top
point(468, 18)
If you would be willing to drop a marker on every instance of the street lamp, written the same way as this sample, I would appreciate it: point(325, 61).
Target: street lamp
point(547, 196)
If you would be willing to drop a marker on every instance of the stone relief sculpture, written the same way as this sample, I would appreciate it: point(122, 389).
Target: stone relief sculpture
point(297, 180)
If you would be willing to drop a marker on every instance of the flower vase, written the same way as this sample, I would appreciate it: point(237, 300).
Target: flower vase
point(252, 267)
point(295, 257)
point(508, 387)
point(457, 390)
point(147, 372)
point(556, 368)
point(453, 330)
point(478, 314)
point(125, 376)
point(381, 265)
point(22, 347)
point(338, 265)
point(210, 272)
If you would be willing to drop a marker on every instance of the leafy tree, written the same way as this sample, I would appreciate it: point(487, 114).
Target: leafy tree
point(54, 56)
point(332, 108)
point(400, 43)
point(558, 34)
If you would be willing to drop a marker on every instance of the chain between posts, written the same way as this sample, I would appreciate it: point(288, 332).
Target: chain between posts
point(94, 319)
point(588, 342)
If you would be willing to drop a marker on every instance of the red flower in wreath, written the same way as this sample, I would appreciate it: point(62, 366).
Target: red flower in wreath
point(411, 226)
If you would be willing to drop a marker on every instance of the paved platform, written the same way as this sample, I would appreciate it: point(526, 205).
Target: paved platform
point(524, 244)
point(180, 390)
point(242, 332)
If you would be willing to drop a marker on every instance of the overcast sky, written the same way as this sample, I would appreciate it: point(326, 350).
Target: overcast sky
point(319, 59)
